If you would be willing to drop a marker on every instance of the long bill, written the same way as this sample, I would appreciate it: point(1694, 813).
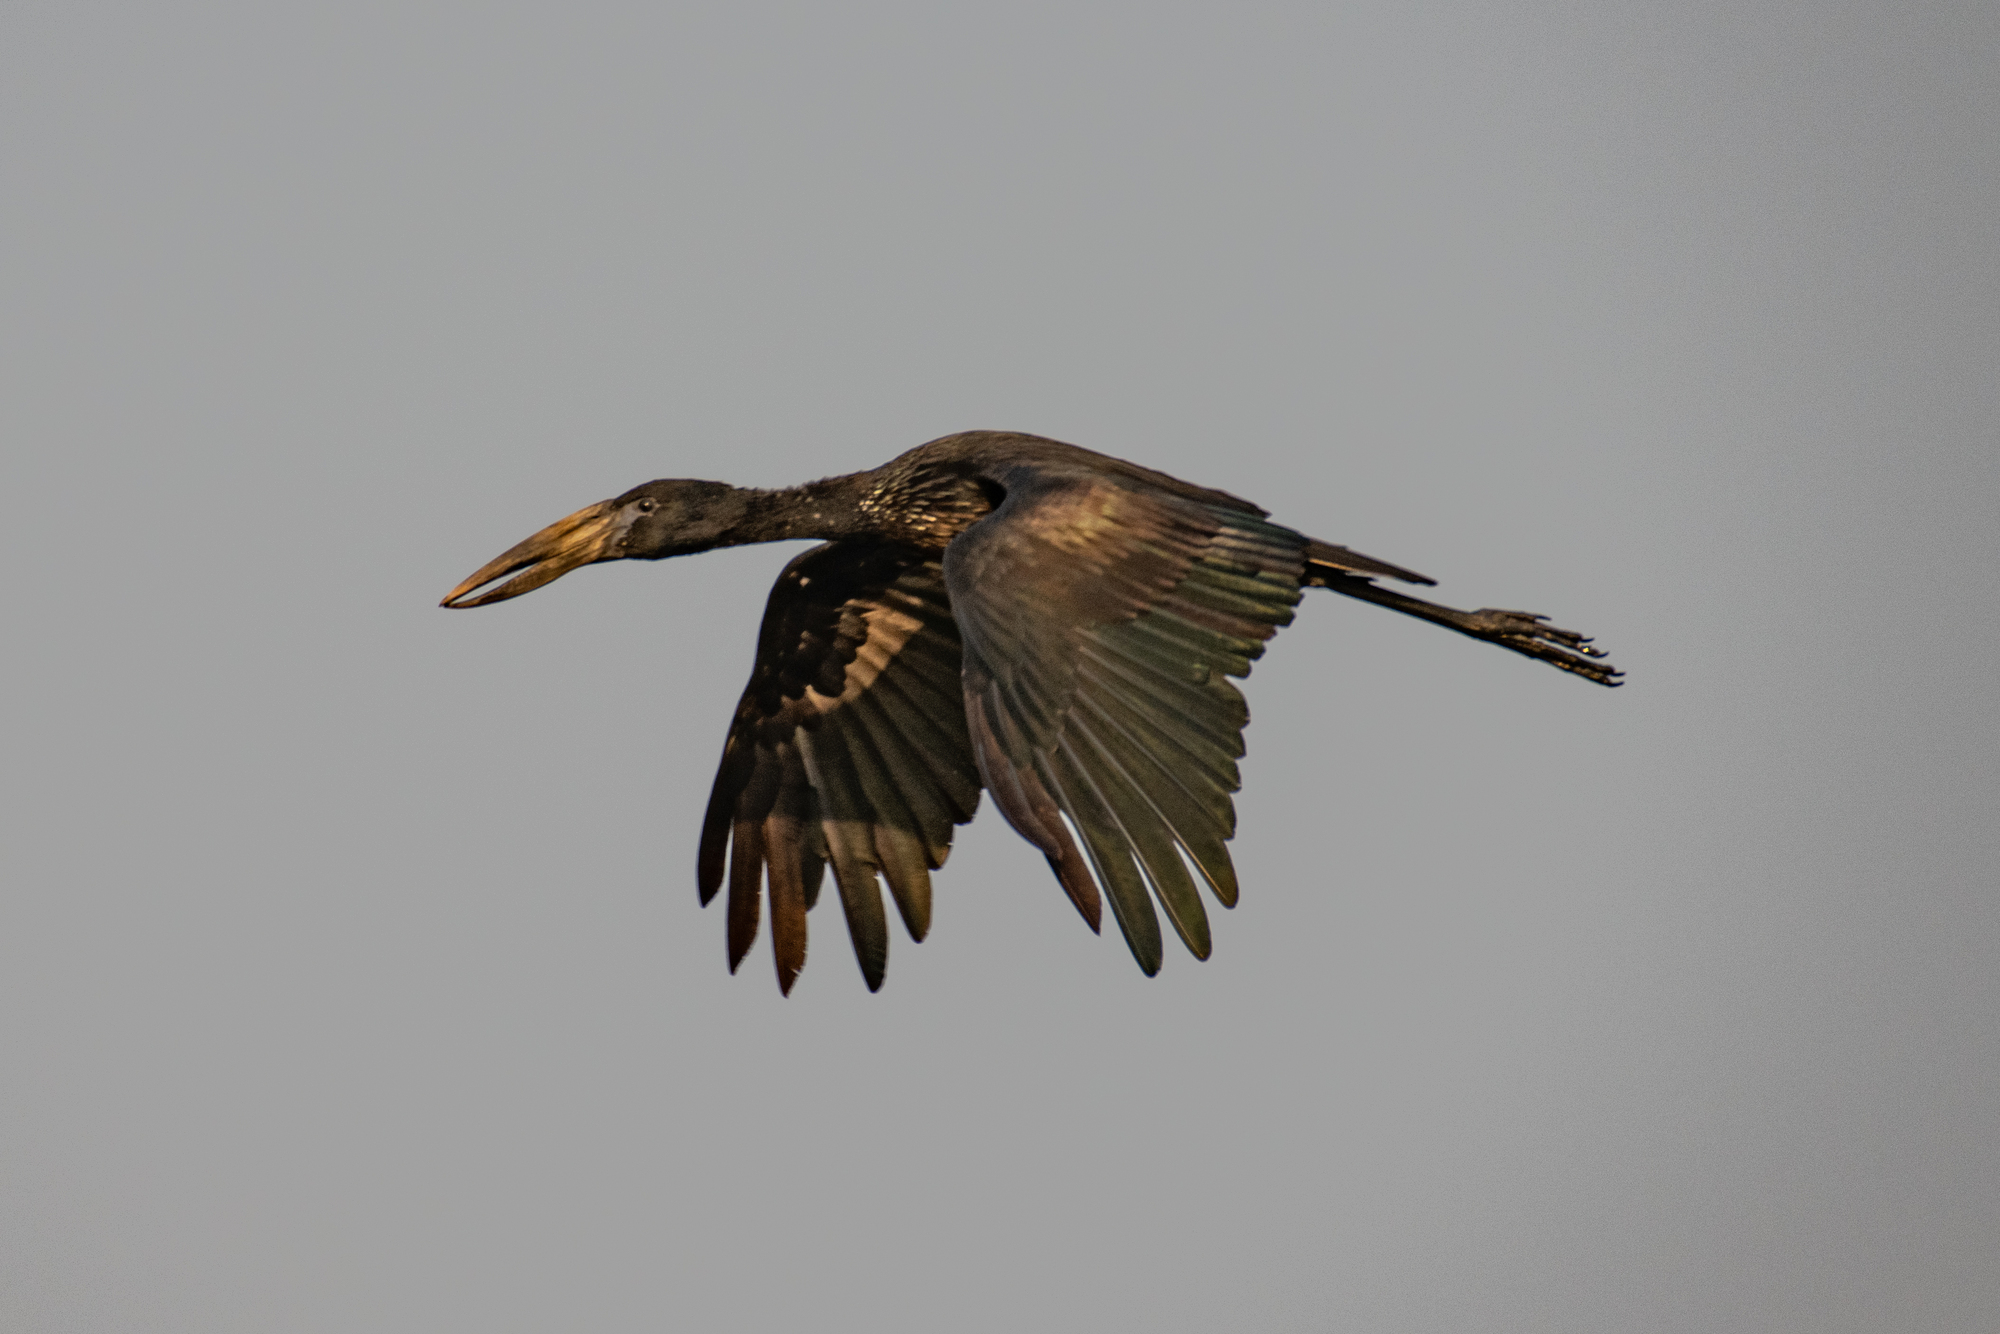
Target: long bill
point(580, 539)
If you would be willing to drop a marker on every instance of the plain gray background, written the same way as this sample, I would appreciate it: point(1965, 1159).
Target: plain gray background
point(351, 975)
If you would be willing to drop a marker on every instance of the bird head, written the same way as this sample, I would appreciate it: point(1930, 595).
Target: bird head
point(671, 517)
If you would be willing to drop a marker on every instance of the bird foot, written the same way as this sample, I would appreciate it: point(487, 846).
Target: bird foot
point(1527, 633)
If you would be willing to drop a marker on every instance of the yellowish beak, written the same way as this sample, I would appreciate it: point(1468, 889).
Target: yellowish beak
point(582, 538)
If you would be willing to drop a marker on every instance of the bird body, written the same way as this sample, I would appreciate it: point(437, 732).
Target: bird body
point(1000, 612)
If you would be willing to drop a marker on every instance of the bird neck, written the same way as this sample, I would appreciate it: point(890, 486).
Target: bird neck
point(832, 507)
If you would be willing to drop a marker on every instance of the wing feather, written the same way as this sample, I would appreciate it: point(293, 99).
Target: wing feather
point(1110, 855)
point(849, 749)
point(1025, 800)
point(1147, 834)
point(899, 853)
point(1101, 622)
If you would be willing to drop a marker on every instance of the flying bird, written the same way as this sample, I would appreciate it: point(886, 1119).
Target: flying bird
point(999, 612)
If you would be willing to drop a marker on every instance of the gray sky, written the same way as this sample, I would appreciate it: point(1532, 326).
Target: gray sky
point(351, 974)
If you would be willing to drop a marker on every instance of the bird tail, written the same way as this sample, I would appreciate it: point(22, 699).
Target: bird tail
point(1325, 562)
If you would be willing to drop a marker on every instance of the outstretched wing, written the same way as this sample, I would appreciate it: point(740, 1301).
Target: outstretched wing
point(849, 747)
point(1101, 621)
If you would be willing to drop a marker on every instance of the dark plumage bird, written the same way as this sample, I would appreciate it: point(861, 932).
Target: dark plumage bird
point(994, 611)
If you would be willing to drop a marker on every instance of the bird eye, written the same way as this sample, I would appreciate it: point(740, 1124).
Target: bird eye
point(648, 505)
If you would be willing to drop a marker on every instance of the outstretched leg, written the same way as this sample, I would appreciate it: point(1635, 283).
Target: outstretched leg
point(1521, 631)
